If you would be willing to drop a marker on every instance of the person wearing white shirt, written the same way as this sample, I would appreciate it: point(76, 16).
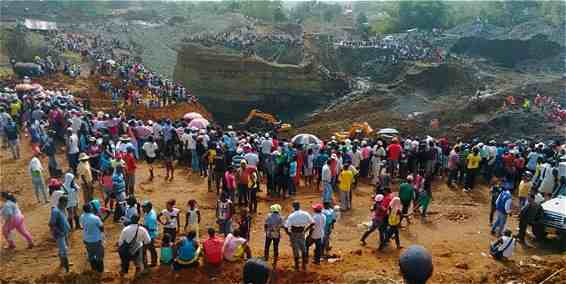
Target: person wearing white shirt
point(131, 242)
point(296, 225)
point(317, 233)
point(504, 246)
point(36, 172)
point(72, 149)
point(326, 178)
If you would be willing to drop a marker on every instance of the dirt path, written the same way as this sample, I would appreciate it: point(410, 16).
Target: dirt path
point(456, 233)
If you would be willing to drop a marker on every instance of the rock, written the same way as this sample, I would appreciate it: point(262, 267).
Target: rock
point(462, 266)
point(536, 258)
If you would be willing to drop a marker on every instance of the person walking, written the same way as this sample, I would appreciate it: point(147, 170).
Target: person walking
point(60, 229)
point(12, 136)
point(72, 149)
point(151, 224)
point(130, 161)
point(36, 172)
point(331, 219)
point(253, 188)
point(84, 173)
point(272, 227)
point(13, 220)
point(502, 210)
point(72, 191)
point(394, 220)
point(150, 147)
point(130, 245)
point(296, 225)
point(378, 217)
point(316, 235)
point(93, 236)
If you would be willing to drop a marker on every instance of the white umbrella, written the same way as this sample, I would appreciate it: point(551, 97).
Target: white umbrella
point(388, 131)
point(110, 61)
point(192, 115)
point(304, 139)
point(199, 123)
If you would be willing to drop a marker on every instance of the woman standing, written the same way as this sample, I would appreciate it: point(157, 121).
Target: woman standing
point(72, 191)
point(36, 172)
point(13, 219)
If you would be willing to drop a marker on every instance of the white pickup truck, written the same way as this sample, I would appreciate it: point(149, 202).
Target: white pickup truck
point(555, 214)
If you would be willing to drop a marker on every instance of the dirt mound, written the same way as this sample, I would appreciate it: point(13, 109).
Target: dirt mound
point(457, 217)
point(534, 270)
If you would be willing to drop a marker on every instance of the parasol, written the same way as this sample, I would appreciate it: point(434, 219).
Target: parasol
point(305, 139)
point(192, 115)
point(199, 123)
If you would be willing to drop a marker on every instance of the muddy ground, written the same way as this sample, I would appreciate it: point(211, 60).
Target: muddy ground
point(456, 232)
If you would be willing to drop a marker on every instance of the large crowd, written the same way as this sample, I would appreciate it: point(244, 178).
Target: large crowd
point(104, 151)
point(245, 39)
point(411, 47)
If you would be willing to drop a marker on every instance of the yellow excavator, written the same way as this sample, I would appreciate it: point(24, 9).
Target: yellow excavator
point(258, 120)
point(357, 131)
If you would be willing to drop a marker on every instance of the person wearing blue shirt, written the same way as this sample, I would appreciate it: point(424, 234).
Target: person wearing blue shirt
point(60, 229)
point(293, 182)
point(93, 229)
point(151, 224)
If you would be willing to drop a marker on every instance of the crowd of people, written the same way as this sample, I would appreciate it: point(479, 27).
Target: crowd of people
point(410, 47)
point(245, 39)
point(104, 151)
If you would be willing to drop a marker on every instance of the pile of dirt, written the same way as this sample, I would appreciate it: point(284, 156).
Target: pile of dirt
point(457, 217)
point(533, 270)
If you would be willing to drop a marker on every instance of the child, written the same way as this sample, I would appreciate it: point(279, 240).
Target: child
point(171, 224)
point(496, 189)
point(394, 220)
point(166, 251)
point(106, 183)
point(192, 220)
point(169, 157)
point(245, 224)
point(524, 189)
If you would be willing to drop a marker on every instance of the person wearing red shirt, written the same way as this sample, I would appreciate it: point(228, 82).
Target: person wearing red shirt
point(393, 155)
point(213, 249)
point(130, 171)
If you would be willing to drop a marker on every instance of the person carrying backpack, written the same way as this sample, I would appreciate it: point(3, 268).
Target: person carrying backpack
point(130, 246)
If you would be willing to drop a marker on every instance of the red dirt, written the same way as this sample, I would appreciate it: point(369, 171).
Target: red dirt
point(452, 244)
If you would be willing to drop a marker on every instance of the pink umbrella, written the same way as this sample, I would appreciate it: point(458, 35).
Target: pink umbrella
point(199, 123)
point(192, 115)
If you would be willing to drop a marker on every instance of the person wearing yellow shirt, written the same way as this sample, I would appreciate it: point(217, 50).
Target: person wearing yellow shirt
point(524, 189)
point(473, 164)
point(345, 179)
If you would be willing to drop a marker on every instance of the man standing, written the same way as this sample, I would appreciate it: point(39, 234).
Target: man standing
point(72, 149)
point(60, 230)
point(473, 164)
point(93, 229)
point(326, 177)
point(296, 225)
point(502, 209)
point(531, 214)
point(317, 233)
point(130, 160)
point(130, 245)
point(85, 175)
point(406, 194)
point(346, 177)
point(272, 228)
point(151, 225)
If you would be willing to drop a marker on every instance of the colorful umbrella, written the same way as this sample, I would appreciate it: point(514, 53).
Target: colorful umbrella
point(199, 123)
point(192, 115)
point(305, 139)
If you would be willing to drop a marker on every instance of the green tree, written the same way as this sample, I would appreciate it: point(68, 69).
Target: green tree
point(422, 14)
point(362, 26)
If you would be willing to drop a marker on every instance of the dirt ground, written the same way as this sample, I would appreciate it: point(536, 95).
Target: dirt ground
point(456, 233)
